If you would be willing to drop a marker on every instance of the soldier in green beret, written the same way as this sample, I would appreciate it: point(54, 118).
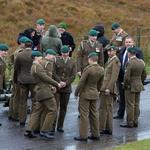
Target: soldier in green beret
point(64, 72)
point(88, 92)
point(24, 79)
point(47, 64)
point(3, 53)
point(13, 113)
point(119, 35)
point(133, 84)
point(107, 92)
point(45, 99)
point(86, 47)
point(40, 26)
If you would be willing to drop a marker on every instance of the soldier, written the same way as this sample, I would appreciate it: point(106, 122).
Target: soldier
point(66, 37)
point(47, 64)
point(108, 91)
point(64, 72)
point(134, 76)
point(13, 113)
point(3, 53)
point(88, 92)
point(23, 77)
point(119, 35)
point(44, 99)
point(86, 47)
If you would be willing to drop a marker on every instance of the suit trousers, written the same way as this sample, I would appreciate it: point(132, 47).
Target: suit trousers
point(50, 106)
point(106, 112)
point(132, 107)
point(121, 109)
point(14, 102)
point(62, 103)
point(24, 92)
point(88, 113)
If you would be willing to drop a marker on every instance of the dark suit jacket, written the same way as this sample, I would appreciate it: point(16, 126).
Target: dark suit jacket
point(139, 55)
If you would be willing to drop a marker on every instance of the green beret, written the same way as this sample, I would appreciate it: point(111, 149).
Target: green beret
point(65, 49)
point(36, 54)
point(3, 47)
point(93, 32)
point(92, 54)
point(24, 39)
point(40, 21)
point(115, 25)
point(27, 40)
point(132, 50)
point(112, 48)
point(50, 52)
point(62, 25)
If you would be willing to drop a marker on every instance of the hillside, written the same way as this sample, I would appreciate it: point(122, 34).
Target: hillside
point(16, 15)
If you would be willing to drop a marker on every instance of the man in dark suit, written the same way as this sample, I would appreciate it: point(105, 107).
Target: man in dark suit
point(123, 57)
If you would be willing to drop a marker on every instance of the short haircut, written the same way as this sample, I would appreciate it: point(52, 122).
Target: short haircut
point(94, 58)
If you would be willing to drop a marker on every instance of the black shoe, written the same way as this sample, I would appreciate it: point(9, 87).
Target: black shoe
point(135, 125)
point(96, 138)
point(36, 132)
point(126, 126)
point(15, 120)
point(117, 117)
point(0, 124)
point(60, 130)
point(79, 116)
point(106, 132)
point(80, 139)
point(29, 134)
point(22, 124)
point(46, 135)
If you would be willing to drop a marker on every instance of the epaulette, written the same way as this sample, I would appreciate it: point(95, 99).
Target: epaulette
point(142, 61)
point(82, 43)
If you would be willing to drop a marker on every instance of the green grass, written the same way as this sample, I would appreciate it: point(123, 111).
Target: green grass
point(140, 145)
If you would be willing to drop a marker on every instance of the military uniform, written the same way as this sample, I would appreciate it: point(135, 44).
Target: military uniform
point(45, 99)
point(48, 67)
point(118, 39)
point(2, 74)
point(23, 77)
point(88, 91)
point(64, 70)
point(106, 106)
point(14, 101)
point(85, 48)
point(134, 76)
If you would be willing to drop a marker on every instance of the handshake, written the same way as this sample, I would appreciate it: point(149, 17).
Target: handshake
point(61, 84)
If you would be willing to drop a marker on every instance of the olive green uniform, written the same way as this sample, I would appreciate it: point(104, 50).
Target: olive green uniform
point(45, 99)
point(2, 74)
point(134, 76)
point(48, 67)
point(14, 101)
point(118, 39)
point(85, 48)
point(106, 105)
point(23, 77)
point(64, 70)
point(88, 91)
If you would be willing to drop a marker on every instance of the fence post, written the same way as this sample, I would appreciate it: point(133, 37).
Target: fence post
point(138, 36)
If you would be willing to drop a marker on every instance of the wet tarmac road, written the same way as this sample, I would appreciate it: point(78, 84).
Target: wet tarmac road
point(11, 134)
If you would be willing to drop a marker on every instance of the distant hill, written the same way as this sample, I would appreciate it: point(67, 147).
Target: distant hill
point(80, 15)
